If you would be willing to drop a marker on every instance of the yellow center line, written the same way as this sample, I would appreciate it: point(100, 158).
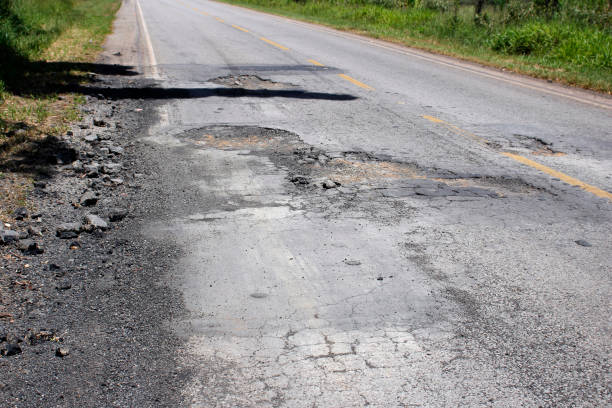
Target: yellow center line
point(344, 76)
point(455, 129)
point(282, 47)
point(544, 169)
point(220, 20)
point(317, 63)
point(240, 28)
point(356, 82)
point(561, 176)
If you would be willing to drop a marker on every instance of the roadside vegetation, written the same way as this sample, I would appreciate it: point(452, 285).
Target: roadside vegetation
point(569, 41)
point(46, 47)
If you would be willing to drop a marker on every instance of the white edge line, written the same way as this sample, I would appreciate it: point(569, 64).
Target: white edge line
point(151, 54)
point(435, 58)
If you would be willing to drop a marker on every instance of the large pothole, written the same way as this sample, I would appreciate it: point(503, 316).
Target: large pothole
point(352, 173)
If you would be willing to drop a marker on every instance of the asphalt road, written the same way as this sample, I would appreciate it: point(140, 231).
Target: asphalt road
point(369, 225)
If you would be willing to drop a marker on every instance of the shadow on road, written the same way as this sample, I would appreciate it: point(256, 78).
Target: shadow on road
point(195, 93)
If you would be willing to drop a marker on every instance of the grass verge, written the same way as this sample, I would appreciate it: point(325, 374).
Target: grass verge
point(565, 48)
point(46, 46)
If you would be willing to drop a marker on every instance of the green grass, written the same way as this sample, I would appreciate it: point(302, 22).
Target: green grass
point(573, 45)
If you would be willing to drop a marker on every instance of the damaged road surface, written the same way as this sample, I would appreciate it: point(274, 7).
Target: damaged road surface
point(317, 221)
point(365, 241)
point(352, 237)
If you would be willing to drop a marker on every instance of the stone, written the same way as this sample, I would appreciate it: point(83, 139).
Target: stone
point(117, 214)
point(69, 230)
point(92, 169)
point(117, 181)
point(352, 262)
point(34, 232)
point(8, 236)
point(62, 352)
point(88, 199)
point(77, 166)
point(116, 149)
point(327, 184)
point(583, 243)
point(20, 213)
point(29, 247)
point(96, 222)
point(111, 168)
point(91, 138)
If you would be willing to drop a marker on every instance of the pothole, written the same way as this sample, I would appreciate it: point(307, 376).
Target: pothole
point(249, 82)
point(352, 173)
point(253, 138)
point(537, 146)
point(533, 145)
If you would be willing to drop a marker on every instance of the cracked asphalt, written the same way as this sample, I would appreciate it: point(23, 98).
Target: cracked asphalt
point(354, 226)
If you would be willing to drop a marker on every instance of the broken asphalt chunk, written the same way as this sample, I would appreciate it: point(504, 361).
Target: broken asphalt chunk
point(69, 230)
point(20, 213)
point(29, 247)
point(95, 222)
point(88, 199)
point(8, 236)
point(117, 214)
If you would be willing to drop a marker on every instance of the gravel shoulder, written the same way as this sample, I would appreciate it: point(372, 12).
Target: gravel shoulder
point(84, 298)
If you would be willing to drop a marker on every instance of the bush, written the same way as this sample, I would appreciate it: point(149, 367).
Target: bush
point(525, 40)
point(585, 48)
